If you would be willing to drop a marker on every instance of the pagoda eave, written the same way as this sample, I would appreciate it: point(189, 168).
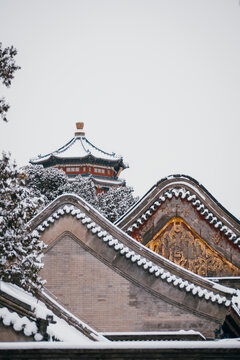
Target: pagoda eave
point(53, 160)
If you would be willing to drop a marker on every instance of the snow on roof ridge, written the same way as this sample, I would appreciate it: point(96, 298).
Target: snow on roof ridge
point(66, 146)
point(85, 143)
point(194, 200)
point(175, 177)
point(40, 157)
point(173, 332)
point(102, 151)
point(142, 344)
point(136, 258)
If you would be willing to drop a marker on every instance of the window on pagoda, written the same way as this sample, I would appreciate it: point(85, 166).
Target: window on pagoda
point(99, 171)
point(73, 169)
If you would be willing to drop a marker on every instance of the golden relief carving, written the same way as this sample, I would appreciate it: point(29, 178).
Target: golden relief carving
point(179, 243)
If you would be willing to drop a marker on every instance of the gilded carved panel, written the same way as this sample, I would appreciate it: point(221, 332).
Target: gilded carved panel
point(179, 243)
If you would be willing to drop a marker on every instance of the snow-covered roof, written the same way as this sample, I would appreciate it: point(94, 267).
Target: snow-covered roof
point(58, 328)
point(138, 345)
point(79, 148)
point(184, 187)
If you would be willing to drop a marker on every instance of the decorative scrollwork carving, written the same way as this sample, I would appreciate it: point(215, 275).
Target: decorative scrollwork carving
point(179, 243)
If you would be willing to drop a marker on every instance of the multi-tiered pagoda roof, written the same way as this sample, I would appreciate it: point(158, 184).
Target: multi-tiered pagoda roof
point(80, 157)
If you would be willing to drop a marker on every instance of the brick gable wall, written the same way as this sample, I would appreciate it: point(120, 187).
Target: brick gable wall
point(106, 300)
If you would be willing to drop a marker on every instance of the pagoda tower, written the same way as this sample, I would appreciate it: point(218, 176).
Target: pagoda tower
point(80, 157)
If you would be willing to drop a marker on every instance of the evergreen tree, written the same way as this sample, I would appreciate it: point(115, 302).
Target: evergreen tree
point(52, 182)
point(20, 250)
point(116, 202)
point(85, 188)
point(7, 70)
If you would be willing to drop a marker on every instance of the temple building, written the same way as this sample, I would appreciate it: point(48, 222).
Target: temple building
point(80, 157)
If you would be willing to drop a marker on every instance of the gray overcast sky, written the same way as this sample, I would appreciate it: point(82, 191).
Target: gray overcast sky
point(155, 81)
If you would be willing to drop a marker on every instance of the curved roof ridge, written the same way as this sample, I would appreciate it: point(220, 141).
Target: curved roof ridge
point(81, 139)
point(208, 193)
point(159, 186)
point(65, 147)
point(102, 151)
point(61, 149)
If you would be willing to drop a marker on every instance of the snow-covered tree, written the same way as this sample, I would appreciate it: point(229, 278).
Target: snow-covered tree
point(20, 250)
point(85, 188)
point(50, 182)
point(7, 70)
point(116, 202)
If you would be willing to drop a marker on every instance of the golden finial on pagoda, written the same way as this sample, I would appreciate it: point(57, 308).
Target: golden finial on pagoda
point(79, 126)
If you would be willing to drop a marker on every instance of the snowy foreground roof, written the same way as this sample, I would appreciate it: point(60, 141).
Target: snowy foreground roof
point(221, 349)
point(75, 344)
point(150, 270)
point(22, 311)
point(79, 149)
